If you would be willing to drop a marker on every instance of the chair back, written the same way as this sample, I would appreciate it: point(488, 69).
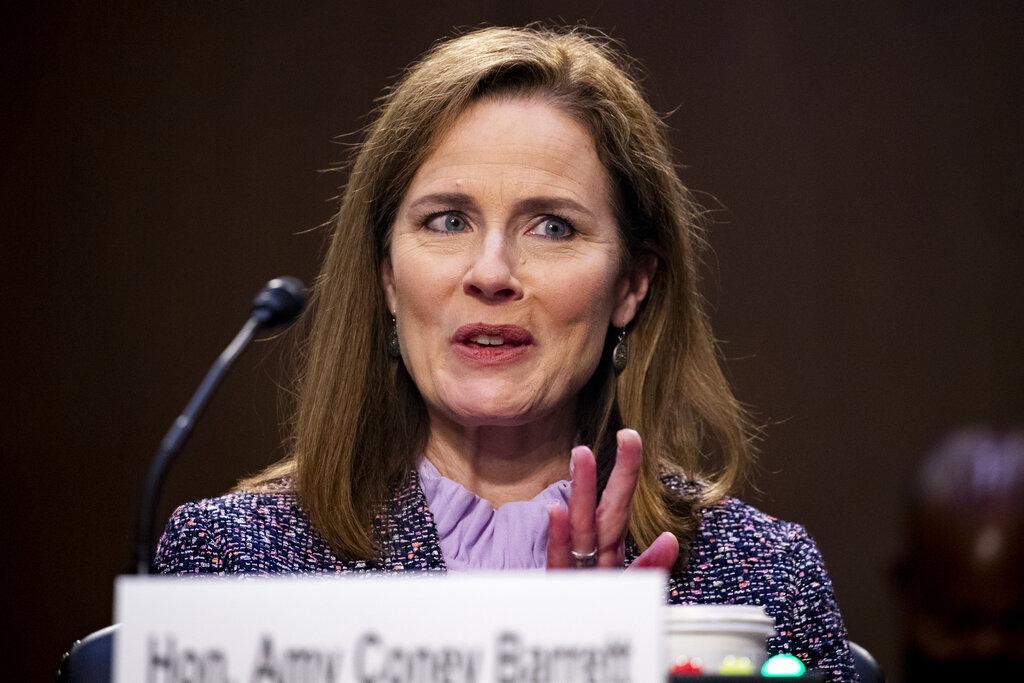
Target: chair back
point(865, 665)
point(91, 659)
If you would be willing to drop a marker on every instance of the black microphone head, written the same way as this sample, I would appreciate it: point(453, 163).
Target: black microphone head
point(279, 302)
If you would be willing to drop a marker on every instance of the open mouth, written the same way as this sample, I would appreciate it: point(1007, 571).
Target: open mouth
point(489, 342)
point(492, 340)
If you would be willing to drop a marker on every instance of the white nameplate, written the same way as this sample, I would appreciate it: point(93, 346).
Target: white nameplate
point(496, 627)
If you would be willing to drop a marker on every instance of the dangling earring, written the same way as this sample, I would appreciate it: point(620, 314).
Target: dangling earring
point(394, 350)
point(620, 354)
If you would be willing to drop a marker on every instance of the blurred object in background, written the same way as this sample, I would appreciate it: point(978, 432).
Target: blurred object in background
point(960, 580)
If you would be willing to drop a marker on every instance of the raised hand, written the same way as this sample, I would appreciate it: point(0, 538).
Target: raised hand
point(592, 534)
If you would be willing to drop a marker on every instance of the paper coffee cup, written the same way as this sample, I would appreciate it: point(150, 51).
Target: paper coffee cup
point(713, 636)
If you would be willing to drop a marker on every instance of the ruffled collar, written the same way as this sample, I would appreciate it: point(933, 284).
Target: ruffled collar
point(474, 535)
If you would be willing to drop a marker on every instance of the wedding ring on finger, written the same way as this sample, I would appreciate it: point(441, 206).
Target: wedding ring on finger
point(584, 560)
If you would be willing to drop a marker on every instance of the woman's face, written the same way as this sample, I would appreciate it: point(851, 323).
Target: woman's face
point(504, 268)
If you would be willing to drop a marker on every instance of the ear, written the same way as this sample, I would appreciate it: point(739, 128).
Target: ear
point(632, 289)
point(387, 281)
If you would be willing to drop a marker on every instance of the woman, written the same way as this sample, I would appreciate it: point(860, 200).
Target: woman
point(511, 280)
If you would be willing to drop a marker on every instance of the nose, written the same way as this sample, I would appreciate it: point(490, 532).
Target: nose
point(491, 275)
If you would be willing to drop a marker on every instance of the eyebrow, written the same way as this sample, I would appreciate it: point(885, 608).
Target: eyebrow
point(462, 201)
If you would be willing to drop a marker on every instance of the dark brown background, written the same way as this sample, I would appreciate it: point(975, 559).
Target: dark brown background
point(162, 163)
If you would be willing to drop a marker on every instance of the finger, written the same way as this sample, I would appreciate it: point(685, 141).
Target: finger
point(661, 554)
point(613, 511)
point(583, 500)
point(558, 538)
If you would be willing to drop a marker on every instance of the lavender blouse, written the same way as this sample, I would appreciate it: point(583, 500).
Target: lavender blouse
point(474, 535)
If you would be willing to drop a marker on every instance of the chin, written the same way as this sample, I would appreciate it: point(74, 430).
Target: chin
point(491, 408)
point(490, 415)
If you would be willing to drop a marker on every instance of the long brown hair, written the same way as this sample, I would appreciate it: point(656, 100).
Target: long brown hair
point(359, 421)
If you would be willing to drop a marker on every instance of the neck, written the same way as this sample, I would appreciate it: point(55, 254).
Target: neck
point(502, 464)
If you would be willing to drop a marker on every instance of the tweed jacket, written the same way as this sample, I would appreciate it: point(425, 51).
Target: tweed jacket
point(739, 555)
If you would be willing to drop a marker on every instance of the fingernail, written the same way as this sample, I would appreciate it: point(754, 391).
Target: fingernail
point(574, 456)
point(572, 463)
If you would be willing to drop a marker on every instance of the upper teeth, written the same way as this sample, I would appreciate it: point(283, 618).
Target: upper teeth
point(488, 340)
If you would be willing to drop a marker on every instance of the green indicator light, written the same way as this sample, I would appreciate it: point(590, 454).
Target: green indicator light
point(783, 666)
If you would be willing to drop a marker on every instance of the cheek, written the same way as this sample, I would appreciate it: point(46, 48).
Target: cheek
point(422, 282)
point(584, 294)
point(579, 305)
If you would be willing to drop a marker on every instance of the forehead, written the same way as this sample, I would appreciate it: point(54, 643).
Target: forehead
point(522, 142)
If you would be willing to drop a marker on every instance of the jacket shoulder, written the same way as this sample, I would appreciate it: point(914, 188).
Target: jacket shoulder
point(263, 531)
point(731, 517)
point(734, 520)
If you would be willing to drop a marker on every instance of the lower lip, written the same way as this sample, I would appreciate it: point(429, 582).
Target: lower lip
point(491, 355)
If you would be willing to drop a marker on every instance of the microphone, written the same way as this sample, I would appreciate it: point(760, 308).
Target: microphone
point(277, 304)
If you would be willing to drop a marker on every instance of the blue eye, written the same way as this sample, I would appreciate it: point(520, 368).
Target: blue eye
point(447, 222)
point(554, 228)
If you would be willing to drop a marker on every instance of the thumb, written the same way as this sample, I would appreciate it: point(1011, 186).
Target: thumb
point(661, 554)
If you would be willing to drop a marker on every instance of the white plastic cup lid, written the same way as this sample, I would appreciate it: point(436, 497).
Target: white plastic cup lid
point(745, 618)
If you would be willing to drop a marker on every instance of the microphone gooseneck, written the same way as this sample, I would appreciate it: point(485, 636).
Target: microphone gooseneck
point(277, 304)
